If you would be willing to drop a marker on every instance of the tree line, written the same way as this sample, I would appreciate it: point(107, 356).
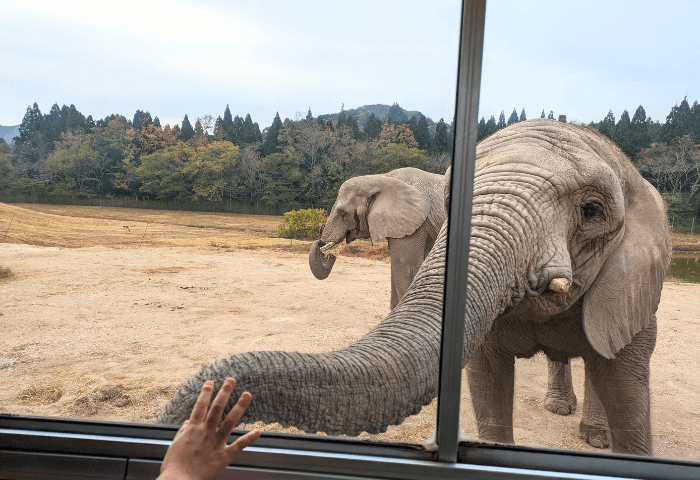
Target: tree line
point(293, 163)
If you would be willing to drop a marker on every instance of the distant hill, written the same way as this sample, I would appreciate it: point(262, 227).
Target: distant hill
point(8, 133)
point(382, 112)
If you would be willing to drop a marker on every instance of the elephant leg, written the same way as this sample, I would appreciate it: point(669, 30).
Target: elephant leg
point(594, 427)
point(622, 385)
point(560, 398)
point(491, 376)
point(407, 255)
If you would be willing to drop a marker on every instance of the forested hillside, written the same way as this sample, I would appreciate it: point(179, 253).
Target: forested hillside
point(223, 163)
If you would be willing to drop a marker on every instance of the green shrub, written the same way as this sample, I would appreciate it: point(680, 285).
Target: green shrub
point(303, 224)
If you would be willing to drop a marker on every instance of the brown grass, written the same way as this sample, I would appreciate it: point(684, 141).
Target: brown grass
point(72, 226)
point(44, 395)
point(684, 242)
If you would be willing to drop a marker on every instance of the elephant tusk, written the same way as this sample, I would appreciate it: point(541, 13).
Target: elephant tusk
point(560, 285)
point(327, 246)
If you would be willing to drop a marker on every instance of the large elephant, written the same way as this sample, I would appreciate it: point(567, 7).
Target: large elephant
point(405, 206)
point(568, 254)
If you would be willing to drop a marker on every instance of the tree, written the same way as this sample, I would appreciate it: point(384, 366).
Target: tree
point(156, 122)
point(372, 128)
point(396, 114)
point(422, 133)
point(673, 168)
point(186, 130)
point(161, 173)
point(271, 138)
point(491, 127)
point(622, 134)
point(678, 122)
point(639, 131)
point(522, 116)
point(309, 115)
point(398, 155)
point(501, 121)
point(481, 129)
point(209, 170)
point(281, 177)
point(607, 125)
point(396, 133)
point(442, 141)
point(513, 117)
point(351, 122)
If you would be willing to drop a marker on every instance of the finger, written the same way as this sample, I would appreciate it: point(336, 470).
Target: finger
point(200, 407)
point(242, 442)
point(217, 406)
point(234, 416)
point(182, 429)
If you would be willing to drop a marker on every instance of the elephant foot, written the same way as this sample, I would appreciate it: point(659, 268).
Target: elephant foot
point(596, 437)
point(561, 404)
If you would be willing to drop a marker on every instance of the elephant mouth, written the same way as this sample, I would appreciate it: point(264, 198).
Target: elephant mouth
point(327, 246)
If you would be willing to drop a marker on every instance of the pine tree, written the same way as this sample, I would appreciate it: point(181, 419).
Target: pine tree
point(678, 122)
point(31, 125)
point(501, 121)
point(442, 137)
point(621, 136)
point(138, 119)
point(372, 128)
point(396, 114)
point(639, 131)
point(695, 116)
point(227, 125)
point(542, 116)
point(513, 118)
point(522, 116)
point(607, 125)
point(309, 115)
point(351, 122)
point(422, 133)
point(551, 115)
point(186, 130)
point(271, 139)
point(156, 122)
point(491, 127)
point(481, 129)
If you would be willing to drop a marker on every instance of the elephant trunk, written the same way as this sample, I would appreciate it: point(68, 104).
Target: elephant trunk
point(320, 264)
point(385, 376)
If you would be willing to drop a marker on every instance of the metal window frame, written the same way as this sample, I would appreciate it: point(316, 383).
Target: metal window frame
point(40, 447)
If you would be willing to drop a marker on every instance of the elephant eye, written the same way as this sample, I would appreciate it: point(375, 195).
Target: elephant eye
point(592, 210)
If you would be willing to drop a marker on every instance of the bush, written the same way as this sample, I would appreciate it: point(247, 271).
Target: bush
point(303, 224)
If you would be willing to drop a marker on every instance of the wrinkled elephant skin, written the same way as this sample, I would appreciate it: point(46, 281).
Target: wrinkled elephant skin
point(551, 200)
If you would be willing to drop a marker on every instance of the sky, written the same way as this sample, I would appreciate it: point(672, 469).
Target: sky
point(173, 58)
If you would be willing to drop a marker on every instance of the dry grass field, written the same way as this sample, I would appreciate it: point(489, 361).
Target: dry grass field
point(103, 322)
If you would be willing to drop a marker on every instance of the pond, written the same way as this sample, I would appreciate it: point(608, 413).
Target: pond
point(685, 266)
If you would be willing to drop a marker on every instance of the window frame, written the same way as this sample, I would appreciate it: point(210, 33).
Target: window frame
point(40, 447)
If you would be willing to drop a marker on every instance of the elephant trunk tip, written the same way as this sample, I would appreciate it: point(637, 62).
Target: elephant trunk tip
point(560, 285)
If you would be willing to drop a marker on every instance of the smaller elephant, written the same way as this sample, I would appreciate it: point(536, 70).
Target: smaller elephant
point(405, 206)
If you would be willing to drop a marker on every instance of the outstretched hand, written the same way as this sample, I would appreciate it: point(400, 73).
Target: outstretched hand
point(199, 449)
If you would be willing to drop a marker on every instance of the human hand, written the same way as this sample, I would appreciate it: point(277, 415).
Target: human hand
point(199, 449)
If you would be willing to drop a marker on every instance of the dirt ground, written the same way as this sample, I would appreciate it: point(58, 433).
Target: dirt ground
point(104, 322)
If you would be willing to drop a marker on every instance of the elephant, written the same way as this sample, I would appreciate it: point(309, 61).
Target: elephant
point(405, 206)
point(568, 252)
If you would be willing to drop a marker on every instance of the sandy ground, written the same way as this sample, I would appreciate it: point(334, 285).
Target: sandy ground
point(104, 323)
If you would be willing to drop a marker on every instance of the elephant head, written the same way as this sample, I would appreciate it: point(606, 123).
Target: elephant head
point(551, 201)
point(371, 206)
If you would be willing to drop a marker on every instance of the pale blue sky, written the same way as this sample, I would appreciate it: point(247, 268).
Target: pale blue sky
point(174, 58)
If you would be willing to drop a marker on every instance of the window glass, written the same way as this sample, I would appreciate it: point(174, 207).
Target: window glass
point(621, 97)
point(150, 151)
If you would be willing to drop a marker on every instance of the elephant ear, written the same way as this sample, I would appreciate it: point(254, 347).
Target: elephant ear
point(398, 209)
point(625, 295)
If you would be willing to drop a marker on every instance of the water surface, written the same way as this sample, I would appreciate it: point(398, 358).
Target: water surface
point(685, 266)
